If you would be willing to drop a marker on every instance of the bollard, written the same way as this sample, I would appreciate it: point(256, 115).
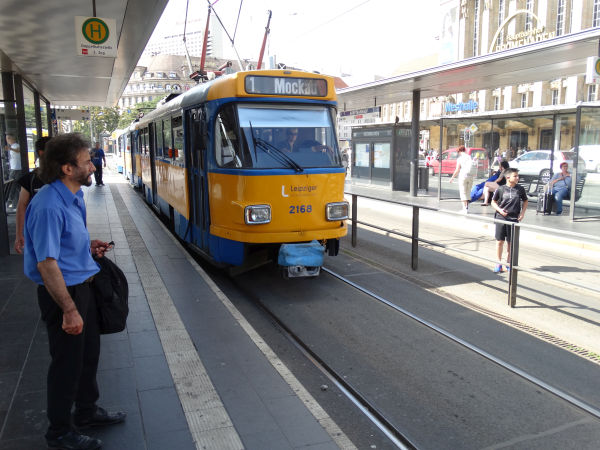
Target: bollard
point(354, 218)
point(415, 239)
point(514, 261)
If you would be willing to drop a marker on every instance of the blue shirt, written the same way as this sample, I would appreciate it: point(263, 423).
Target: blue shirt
point(97, 155)
point(55, 227)
point(561, 185)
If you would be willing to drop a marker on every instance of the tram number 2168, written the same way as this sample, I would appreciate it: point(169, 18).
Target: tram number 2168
point(300, 209)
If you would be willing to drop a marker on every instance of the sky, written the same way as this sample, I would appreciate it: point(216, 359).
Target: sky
point(361, 38)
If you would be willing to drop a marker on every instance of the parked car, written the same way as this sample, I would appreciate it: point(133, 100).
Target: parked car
point(448, 160)
point(536, 164)
point(591, 157)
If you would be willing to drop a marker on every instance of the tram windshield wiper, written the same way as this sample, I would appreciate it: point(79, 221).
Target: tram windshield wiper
point(275, 153)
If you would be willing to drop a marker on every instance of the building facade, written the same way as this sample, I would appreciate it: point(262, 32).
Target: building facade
point(559, 117)
point(479, 27)
point(160, 76)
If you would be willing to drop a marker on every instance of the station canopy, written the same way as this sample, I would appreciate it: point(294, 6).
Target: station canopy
point(543, 61)
point(38, 41)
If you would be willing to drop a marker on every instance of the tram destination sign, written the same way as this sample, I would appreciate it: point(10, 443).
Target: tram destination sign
point(302, 87)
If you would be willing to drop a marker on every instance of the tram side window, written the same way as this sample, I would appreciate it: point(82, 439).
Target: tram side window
point(227, 147)
point(177, 139)
point(159, 139)
point(168, 144)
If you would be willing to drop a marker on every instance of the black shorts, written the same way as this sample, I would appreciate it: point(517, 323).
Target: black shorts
point(503, 232)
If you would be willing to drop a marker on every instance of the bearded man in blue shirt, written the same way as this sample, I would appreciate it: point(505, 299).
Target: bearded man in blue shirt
point(58, 257)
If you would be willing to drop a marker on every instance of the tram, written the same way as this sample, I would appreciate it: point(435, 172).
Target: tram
point(246, 169)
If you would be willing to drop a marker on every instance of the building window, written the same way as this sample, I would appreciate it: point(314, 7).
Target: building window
point(529, 17)
point(596, 14)
point(591, 93)
point(172, 74)
point(476, 28)
point(555, 96)
point(496, 103)
point(560, 18)
point(524, 100)
point(500, 20)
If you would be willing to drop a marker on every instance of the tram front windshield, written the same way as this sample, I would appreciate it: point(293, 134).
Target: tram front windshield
point(276, 136)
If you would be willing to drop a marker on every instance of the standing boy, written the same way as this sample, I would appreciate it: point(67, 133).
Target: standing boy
point(510, 202)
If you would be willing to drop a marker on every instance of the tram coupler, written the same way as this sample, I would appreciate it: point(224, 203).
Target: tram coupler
point(301, 260)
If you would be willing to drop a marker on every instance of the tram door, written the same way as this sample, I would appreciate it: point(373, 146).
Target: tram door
point(197, 151)
point(149, 139)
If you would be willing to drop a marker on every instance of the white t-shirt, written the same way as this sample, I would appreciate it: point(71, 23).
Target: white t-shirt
point(15, 158)
point(466, 164)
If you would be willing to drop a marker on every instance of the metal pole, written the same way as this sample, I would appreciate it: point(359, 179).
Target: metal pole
point(49, 119)
point(576, 173)
point(354, 218)
point(514, 262)
point(10, 124)
point(415, 239)
point(414, 142)
point(21, 125)
point(439, 158)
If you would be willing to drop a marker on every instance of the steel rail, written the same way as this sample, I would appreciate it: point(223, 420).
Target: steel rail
point(506, 365)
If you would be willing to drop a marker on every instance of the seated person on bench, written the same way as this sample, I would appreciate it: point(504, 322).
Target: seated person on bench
point(560, 184)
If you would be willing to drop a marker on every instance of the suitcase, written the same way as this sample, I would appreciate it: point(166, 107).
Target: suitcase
point(545, 202)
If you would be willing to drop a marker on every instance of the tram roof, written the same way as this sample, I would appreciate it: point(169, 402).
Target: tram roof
point(546, 60)
point(37, 40)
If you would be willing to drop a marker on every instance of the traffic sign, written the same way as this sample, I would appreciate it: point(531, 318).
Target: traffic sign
point(96, 36)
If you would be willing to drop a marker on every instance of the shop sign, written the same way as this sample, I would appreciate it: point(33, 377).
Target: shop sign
point(523, 37)
point(95, 36)
point(592, 73)
point(471, 105)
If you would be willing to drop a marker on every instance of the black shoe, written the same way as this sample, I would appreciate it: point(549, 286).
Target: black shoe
point(100, 418)
point(74, 441)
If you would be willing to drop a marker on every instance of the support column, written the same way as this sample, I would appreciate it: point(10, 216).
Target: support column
point(414, 142)
point(21, 127)
point(10, 118)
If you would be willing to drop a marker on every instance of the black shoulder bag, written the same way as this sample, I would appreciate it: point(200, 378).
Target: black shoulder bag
point(112, 295)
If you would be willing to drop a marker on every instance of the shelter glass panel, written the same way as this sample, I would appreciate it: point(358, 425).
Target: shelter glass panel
point(587, 195)
point(476, 135)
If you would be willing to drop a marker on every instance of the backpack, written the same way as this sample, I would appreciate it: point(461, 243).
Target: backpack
point(112, 295)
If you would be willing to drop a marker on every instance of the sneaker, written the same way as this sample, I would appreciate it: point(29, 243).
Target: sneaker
point(74, 441)
point(498, 268)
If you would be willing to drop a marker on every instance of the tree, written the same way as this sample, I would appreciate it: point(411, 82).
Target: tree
point(133, 112)
point(104, 121)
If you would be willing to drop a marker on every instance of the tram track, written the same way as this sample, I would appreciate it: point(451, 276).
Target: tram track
point(504, 364)
point(378, 417)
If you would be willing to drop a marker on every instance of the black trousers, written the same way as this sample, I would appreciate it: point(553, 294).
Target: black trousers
point(98, 173)
point(72, 371)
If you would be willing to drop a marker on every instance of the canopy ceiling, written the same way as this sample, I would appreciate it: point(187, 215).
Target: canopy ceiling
point(38, 41)
point(543, 61)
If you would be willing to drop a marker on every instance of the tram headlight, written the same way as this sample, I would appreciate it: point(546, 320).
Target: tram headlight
point(337, 211)
point(257, 214)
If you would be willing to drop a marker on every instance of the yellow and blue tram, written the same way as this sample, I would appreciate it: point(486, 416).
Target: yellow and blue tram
point(246, 167)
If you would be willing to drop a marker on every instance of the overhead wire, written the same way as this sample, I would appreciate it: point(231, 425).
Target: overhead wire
point(238, 19)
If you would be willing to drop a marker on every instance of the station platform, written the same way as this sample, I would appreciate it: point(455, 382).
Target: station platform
point(189, 371)
point(581, 236)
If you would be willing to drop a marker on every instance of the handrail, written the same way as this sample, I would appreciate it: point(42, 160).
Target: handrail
point(513, 276)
